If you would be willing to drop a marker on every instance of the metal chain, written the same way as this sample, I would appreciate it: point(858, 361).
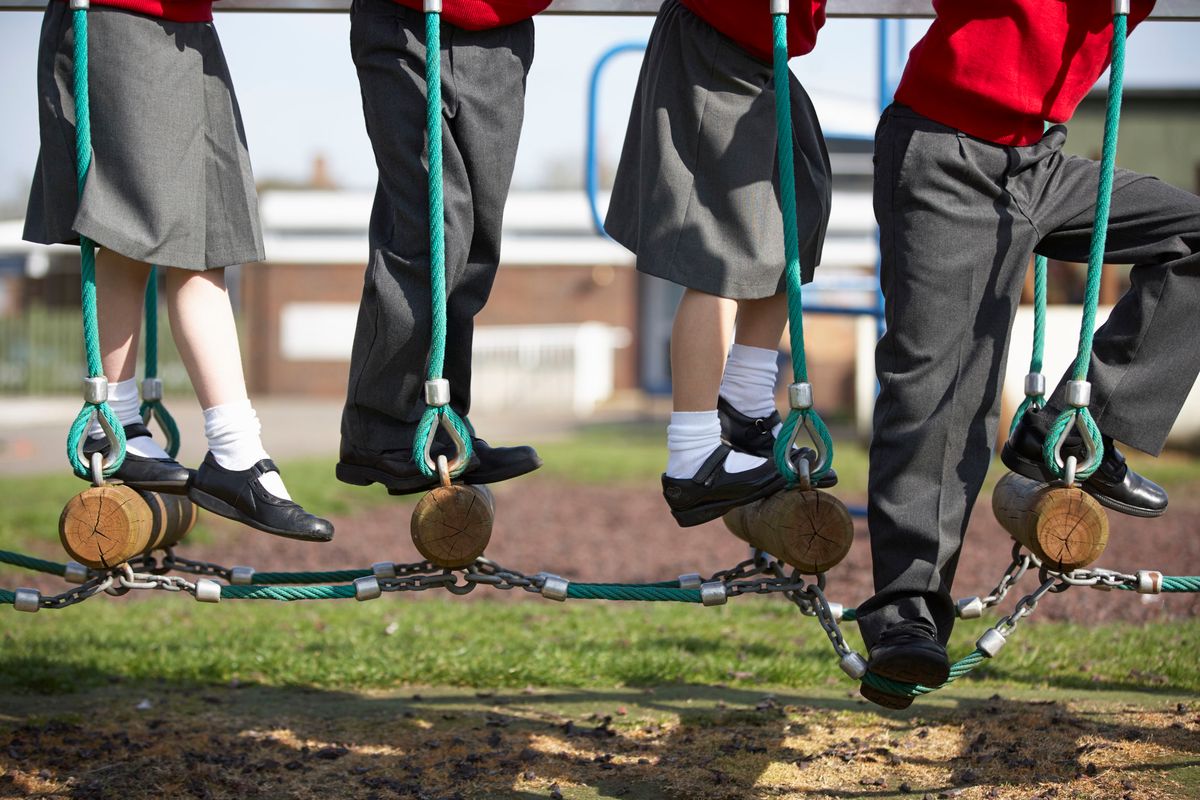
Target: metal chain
point(77, 594)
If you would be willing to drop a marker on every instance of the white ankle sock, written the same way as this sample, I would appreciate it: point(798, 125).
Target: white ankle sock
point(691, 438)
point(748, 383)
point(234, 438)
point(123, 399)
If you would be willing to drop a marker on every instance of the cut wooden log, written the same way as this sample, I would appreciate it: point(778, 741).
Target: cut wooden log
point(105, 526)
point(809, 530)
point(171, 517)
point(1065, 528)
point(451, 525)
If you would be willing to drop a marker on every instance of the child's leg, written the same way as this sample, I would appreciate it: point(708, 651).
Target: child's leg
point(748, 382)
point(206, 335)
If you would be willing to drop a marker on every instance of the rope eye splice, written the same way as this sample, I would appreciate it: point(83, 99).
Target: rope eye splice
point(152, 388)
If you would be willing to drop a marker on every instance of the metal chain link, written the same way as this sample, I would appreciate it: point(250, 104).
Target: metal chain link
point(77, 594)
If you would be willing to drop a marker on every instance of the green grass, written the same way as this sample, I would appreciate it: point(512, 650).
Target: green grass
point(439, 641)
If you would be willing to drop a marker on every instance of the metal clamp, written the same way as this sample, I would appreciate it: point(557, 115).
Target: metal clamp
point(991, 643)
point(713, 593)
point(554, 587)
point(800, 396)
point(437, 392)
point(690, 580)
point(780, 6)
point(152, 389)
point(367, 588)
point(383, 569)
point(75, 572)
point(1079, 393)
point(208, 591)
point(853, 665)
point(1035, 385)
point(1149, 581)
point(433, 6)
point(241, 576)
point(29, 600)
point(970, 608)
point(95, 390)
point(1121, 8)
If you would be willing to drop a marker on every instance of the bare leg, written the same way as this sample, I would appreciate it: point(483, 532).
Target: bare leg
point(120, 287)
point(760, 322)
point(699, 341)
point(206, 335)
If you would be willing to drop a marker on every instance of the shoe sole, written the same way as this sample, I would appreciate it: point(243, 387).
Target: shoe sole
point(1036, 471)
point(913, 670)
point(475, 478)
point(151, 486)
point(894, 702)
point(698, 515)
point(223, 509)
point(357, 475)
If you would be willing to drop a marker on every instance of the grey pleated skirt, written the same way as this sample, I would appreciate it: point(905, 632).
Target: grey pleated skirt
point(170, 181)
point(696, 195)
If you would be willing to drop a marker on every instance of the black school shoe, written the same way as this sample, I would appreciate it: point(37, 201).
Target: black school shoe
point(401, 475)
point(1113, 484)
point(139, 472)
point(753, 435)
point(712, 491)
point(907, 653)
point(237, 495)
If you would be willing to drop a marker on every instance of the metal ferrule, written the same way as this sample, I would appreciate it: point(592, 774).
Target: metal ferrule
point(555, 587)
point(800, 396)
point(780, 6)
point(152, 389)
point(1149, 581)
point(80, 5)
point(95, 390)
point(437, 392)
point(208, 591)
point(29, 600)
point(241, 576)
point(836, 610)
point(1035, 384)
point(433, 6)
point(690, 580)
point(1121, 7)
point(991, 643)
point(853, 665)
point(970, 608)
point(1079, 393)
point(367, 588)
point(75, 572)
point(713, 593)
point(384, 569)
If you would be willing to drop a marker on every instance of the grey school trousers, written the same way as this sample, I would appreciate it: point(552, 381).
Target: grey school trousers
point(958, 219)
point(483, 101)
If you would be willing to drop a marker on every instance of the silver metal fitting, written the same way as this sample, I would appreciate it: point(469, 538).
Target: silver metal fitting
point(836, 610)
point(800, 396)
point(437, 392)
point(853, 665)
point(366, 588)
point(95, 390)
point(208, 591)
point(555, 587)
point(691, 580)
point(241, 576)
point(713, 593)
point(1035, 384)
point(151, 389)
point(75, 572)
point(780, 6)
point(433, 6)
point(1079, 393)
point(27, 600)
point(80, 5)
point(1149, 581)
point(991, 643)
point(1121, 7)
point(970, 608)
point(383, 569)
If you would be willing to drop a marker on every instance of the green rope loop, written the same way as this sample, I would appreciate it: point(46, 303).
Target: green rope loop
point(902, 689)
point(1108, 160)
point(791, 248)
point(87, 270)
point(156, 409)
point(437, 253)
point(1040, 268)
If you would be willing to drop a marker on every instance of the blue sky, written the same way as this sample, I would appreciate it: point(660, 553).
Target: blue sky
point(299, 95)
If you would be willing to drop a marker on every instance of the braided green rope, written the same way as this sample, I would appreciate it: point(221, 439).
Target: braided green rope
point(609, 591)
point(1039, 340)
point(1112, 119)
point(791, 245)
point(287, 593)
point(336, 576)
point(87, 270)
point(31, 563)
point(437, 255)
point(1172, 584)
point(7, 597)
point(957, 670)
point(155, 408)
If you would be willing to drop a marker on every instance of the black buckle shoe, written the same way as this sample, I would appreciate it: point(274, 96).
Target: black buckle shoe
point(401, 475)
point(495, 464)
point(140, 472)
point(908, 653)
point(1113, 484)
point(754, 436)
point(238, 495)
point(712, 491)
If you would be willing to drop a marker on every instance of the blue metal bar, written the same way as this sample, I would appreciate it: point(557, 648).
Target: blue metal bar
point(591, 162)
point(843, 311)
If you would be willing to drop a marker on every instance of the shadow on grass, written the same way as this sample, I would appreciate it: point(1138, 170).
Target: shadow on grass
point(139, 739)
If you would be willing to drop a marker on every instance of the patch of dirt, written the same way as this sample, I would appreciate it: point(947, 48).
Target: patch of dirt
point(681, 743)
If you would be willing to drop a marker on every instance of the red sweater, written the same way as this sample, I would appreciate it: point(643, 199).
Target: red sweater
point(748, 22)
point(477, 15)
point(999, 69)
point(173, 10)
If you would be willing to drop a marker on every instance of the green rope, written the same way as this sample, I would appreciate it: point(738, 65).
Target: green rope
point(791, 247)
point(7, 597)
point(1039, 340)
point(1172, 584)
point(437, 255)
point(1112, 119)
point(611, 591)
point(155, 408)
point(31, 563)
point(957, 670)
point(336, 576)
point(287, 593)
point(87, 253)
